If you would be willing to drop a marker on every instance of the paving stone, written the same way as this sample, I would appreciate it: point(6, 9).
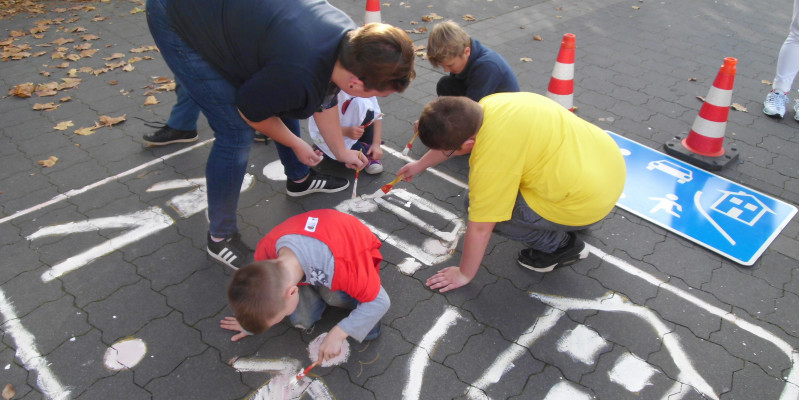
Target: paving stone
point(481, 352)
point(426, 316)
point(91, 283)
point(169, 343)
point(626, 329)
point(79, 362)
point(14, 373)
point(521, 310)
point(370, 359)
point(115, 317)
point(752, 379)
point(543, 385)
point(119, 386)
point(733, 287)
point(60, 315)
point(436, 381)
point(171, 264)
point(622, 375)
point(26, 292)
point(200, 296)
point(753, 347)
point(684, 311)
point(189, 380)
point(406, 292)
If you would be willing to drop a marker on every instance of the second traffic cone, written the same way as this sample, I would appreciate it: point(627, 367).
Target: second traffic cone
point(703, 146)
point(561, 85)
point(373, 13)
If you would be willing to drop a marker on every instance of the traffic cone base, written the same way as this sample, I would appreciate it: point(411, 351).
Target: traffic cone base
point(704, 145)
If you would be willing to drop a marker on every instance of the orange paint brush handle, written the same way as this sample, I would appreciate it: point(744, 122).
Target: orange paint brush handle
point(387, 187)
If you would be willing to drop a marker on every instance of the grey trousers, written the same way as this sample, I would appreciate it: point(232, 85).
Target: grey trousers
point(530, 228)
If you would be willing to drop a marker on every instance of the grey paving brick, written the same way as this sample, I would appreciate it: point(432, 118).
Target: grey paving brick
point(731, 286)
point(189, 380)
point(752, 347)
point(752, 379)
point(115, 317)
point(169, 343)
point(118, 386)
point(79, 362)
point(200, 296)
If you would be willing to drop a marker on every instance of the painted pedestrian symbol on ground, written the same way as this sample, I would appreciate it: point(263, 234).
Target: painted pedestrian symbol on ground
point(725, 217)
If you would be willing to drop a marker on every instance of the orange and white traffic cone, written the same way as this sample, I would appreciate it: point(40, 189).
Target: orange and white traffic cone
point(703, 146)
point(373, 13)
point(561, 85)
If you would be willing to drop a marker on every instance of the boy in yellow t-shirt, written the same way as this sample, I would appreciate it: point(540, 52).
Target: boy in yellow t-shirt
point(537, 174)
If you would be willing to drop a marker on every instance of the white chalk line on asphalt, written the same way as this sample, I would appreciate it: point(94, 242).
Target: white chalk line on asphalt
point(72, 193)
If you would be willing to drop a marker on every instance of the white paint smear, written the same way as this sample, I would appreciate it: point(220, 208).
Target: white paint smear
point(125, 354)
point(435, 247)
point(631, 372)
point(274, 171)
point(409, 266)
point(28, 353)
point(566, 391)
point(313, 352)
point(421, 355)
point(582, 344)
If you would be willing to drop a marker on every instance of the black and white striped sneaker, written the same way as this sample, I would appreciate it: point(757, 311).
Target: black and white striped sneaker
point(316, 182)
point(230, 251)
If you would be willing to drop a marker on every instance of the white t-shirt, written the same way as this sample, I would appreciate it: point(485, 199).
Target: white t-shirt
point(353, 116)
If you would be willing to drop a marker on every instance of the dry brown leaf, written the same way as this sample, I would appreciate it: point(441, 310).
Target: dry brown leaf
point(45, 107)
point(468, 17)
point(692, 79)
point(137, 10)
point(105, 120)
point(89, 37)
point(635, 7)
point(537, 38)
point(701, 98)
point(62, 41)
point(738, 107)
point(22, 90)
point(114, 56)
point(45, 73)
point(86, 131)
point(134, 59)
point(419, 47)
point(128, 68)
point(88, 53)
point(63, 125)
point(69, 83)
point(65, 99)
point(526, 59)
point(16, 34)
point(47, 164)
point(766, 82)
point(80, 47)
point(73, 73)
point(151, 101)
point(113, 83)
point(431, 17)
point(9, 392)
point(63, 65)
point(144, 48)
point(73, 57)
point(423, 55)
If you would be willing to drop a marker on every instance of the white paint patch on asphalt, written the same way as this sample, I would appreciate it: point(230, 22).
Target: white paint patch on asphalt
point(631, 373)
point(582, 344)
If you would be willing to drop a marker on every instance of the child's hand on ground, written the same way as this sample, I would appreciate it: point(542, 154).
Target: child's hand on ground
point(231, 324)
point(353, 132)
point(447, 279)
point(375, 152)
point(331, 346)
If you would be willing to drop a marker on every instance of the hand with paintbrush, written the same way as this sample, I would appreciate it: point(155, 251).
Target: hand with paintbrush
point(411, 142)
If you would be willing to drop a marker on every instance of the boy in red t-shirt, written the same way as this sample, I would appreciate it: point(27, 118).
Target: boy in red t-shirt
point(310, 261)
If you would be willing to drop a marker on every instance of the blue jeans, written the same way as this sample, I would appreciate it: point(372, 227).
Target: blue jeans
point(315, 299)
point(184, 113)
point(216, 98)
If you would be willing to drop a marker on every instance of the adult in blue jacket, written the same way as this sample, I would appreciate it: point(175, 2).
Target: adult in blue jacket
point(262, 65)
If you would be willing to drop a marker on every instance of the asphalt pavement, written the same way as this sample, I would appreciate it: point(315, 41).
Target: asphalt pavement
point(106, 291)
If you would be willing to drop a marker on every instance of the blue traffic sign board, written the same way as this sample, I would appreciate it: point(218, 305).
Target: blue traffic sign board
point(732, 220)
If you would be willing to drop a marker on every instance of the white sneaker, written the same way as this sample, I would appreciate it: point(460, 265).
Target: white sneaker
point(775, 104)
point(374, 167)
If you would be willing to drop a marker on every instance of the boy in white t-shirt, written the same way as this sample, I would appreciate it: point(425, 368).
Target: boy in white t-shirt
point(354, 113)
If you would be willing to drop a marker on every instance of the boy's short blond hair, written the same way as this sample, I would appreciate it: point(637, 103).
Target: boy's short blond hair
point(255, 294)
point(446, 40)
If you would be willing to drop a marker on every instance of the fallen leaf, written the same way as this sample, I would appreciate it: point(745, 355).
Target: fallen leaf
point(65, 99)
point(88, 53)
point(114, 56)
point(738, 107)
point(22, 90)
point(137, 10)
point(635, 7)
point(151, 101)
point(144, 48)
point(701, 98)
point(63, 125)
point(62, 41)
point(419, 47)
point(15, 34)
point(9, 392)
point(87, 38)
point(431, 17)
point(105, 120)
point(128, 68)
point(766, 82)
point(526, 59)
point(86, 131)
point(468, 17)
point(537, 38)
point(45, 107)
point(47, 164)
point(113, 83)
point(692, 79)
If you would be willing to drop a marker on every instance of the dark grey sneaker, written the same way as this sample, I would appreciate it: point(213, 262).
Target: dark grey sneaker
point(166, 135)
point(231, 251)
point(538, 261)
point(316, 182)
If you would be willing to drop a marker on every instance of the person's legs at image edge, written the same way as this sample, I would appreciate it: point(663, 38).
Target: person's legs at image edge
point(300, 179)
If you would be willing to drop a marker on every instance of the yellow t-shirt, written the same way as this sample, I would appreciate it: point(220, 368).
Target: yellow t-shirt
point(568, 170)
